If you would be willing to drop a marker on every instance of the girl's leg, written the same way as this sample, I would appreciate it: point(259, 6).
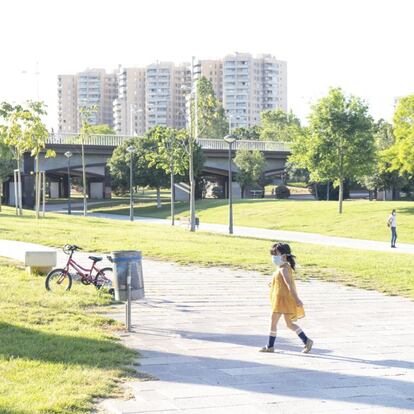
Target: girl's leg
point(273, 331)
point(292, 326)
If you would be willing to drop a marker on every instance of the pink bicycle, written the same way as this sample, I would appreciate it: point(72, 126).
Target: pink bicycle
point(62, 279)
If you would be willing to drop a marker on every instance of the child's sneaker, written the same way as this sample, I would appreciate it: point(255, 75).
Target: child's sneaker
point(308, 346)
point(267, 349)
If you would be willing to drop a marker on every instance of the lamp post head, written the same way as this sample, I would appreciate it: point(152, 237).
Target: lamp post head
point(68, 154)
point(230, 139)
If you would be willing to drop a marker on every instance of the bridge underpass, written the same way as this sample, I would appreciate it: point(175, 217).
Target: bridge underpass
point(99, 148)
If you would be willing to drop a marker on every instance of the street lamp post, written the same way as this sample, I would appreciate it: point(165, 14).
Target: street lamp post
point(230, 140)
point(68, 155)
point(133, 111)
point(131, 150)
point(171, 150)
point(193, 100)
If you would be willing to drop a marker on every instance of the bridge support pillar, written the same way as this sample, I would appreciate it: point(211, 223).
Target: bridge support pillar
point(107, 184)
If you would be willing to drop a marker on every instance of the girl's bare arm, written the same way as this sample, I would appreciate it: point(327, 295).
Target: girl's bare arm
point(288, 281)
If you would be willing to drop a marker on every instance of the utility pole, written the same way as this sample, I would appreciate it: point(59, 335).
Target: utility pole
point(195, 73)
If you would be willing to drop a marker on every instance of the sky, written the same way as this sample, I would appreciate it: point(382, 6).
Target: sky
point(363, 46)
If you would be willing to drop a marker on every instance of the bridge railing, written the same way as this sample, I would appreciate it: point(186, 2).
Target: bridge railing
point(219, 144)
point(101, 140)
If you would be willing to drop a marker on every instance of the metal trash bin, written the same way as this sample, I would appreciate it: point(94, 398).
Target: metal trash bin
point(126, 261)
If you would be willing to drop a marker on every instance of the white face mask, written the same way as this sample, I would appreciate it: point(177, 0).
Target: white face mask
point(277, 260)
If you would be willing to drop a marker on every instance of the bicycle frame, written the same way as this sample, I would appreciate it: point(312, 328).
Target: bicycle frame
point(83, 272)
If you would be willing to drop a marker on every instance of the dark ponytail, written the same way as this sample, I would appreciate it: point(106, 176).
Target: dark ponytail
point(284, 248)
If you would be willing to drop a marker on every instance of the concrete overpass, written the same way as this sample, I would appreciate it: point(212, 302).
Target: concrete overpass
point(99, 148)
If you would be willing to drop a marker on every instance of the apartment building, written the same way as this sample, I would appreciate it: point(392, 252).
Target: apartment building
point(251, 85)
point(96, 87)
point(132, 100)
point(67, 103)
point(129, 107)
point(165, 94)
point(213, 71)
point(109, 94)
point(84, 89)
point(181, 86)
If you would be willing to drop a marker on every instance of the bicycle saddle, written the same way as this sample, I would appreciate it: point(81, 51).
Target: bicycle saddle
point(95, 258)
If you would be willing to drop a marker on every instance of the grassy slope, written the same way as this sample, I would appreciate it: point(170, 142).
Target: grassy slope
point(55, 356)
point(385, 272)
point(361, 219)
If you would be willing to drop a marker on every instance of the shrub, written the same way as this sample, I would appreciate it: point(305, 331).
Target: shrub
point(282, 191)
point(217, 192)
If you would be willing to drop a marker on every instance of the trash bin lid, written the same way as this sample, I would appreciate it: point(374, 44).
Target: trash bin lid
point(126, 255)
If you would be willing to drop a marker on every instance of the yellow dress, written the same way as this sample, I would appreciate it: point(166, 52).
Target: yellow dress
point(281, 299)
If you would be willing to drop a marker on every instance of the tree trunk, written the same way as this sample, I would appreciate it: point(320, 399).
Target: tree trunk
point(316, 191)
point(19, 191)
point(158, 197)
point(341, 194)
point(37, 188)
point(1, 191)
point(85, 205)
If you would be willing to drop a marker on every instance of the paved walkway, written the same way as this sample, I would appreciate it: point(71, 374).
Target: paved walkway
point(199, 330)
point(294, 236)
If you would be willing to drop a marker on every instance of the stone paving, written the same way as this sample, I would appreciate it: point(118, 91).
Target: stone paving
point(199, 329)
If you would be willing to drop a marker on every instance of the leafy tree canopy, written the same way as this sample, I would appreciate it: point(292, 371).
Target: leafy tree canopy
point(212, 122)
point(278, 125)
point(103, 129)
point(401, 154)
point(251, 164)
point(339, 143)
point(151, 158)
point(248, 133)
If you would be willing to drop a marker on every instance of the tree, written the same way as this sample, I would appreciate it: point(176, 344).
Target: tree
point(401, 154)
point(25, 132)
point(6, 109)
point(381, 177)
point(102, 129)
point(278, 125)
point(173, 143)
point(340, 143)
point(36, 134)
point(142, 173)
point(12, 136)
point(7, 161)
point(152, 159)
point(7, 164)
point(247, 133)
point(212, 122)
point(173, 148)
point(85, 133)
point(251, 164)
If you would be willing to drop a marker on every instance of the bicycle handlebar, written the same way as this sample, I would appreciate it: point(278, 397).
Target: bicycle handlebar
point(70, 248)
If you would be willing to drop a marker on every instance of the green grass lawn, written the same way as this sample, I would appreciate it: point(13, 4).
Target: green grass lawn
point(57, 355)
point(385, 272)
point(361, 219)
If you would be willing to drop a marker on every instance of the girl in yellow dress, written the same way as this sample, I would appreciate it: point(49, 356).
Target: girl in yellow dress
point(284, 297)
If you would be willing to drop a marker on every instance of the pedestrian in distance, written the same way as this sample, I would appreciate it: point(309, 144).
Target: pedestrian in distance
point(284, 298)
point(392, 224)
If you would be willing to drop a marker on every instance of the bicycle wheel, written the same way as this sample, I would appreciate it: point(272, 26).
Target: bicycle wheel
point(103, 279)
point(58, 280)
